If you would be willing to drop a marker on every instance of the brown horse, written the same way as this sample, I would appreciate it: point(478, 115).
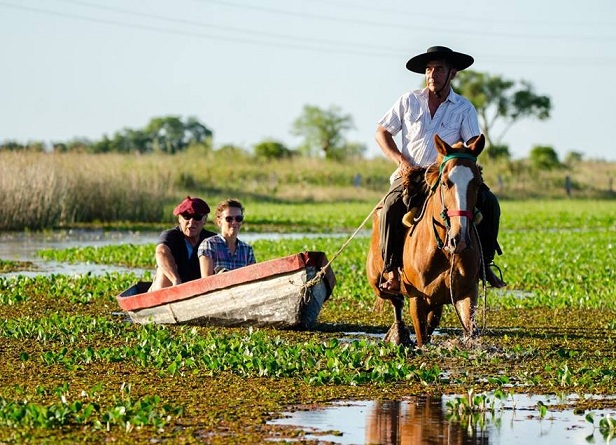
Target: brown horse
point(441, 254)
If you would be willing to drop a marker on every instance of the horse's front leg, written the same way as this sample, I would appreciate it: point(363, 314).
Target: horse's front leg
point(418, 308)
point(398, 332)
point(434, 318)
point(465, 308)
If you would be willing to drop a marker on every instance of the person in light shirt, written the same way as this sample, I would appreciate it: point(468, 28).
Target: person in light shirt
point(419, 115)
point(226, 251)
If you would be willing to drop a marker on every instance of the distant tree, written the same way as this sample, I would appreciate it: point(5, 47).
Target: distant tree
point(137, 141)
point(166, 133)
point(81, 145)
point(37, 146)
point(573, 157)
point(230, 150)
point(323, 131)
point(497, 99)
point(269, 149)
point(59, 147)
point(125, 141)
point(170, 134)
point(12, 146)
point(499, 151)
point(121, 143)
point(104, 145)
point(544, 158)
point(196, 132)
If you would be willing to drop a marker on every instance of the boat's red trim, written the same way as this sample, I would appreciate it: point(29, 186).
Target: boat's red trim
point(201, 286)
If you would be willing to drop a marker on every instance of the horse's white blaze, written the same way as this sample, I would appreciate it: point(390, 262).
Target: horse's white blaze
point(461, 176)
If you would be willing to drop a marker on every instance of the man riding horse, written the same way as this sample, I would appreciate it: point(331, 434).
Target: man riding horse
point(434, 110)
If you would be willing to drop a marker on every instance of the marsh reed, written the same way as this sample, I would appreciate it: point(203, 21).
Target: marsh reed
point(52, 190)
point(41, 191)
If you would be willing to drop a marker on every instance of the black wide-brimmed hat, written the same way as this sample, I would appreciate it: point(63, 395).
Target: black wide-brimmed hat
point(457, 60)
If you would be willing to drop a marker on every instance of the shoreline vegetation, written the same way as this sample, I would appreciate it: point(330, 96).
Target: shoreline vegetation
point(55, 190)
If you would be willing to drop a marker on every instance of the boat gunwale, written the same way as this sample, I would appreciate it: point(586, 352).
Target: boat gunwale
point(237, 277)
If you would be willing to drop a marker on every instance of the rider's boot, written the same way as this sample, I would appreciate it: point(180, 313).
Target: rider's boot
point(392, 285)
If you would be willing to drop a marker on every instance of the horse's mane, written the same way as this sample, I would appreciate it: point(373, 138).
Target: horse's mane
point(424, 178)
point(412, 175)
point(420, 179)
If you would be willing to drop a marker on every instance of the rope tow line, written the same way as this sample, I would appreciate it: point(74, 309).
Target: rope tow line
point(321, 271)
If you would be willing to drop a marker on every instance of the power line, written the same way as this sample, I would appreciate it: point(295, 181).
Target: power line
point(285, 37)
point(466, 30)
point(378, 52)
point(318, 45)
point(458, 18)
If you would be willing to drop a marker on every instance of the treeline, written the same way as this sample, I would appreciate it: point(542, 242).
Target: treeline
point(323, 132)
point(168, 134)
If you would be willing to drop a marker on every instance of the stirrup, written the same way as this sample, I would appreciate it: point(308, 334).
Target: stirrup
point(491, 265)
point(409, 218)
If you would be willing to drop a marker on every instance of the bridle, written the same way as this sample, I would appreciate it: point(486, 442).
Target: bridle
point(445, 212)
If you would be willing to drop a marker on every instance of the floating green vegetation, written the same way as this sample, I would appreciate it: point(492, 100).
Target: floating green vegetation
point(222, 385)
point(124, 411)
point(475, 411)
point(250, 354)
point(128, 255)
point(607, 426)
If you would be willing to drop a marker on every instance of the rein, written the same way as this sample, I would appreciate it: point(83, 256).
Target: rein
point(484, 287)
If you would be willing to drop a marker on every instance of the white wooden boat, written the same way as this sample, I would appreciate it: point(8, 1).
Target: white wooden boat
point(285, 293)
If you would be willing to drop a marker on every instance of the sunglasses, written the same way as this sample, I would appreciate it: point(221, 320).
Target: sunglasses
point(195, 216)
point(238, 218)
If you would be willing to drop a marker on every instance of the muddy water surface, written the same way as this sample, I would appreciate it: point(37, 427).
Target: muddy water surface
point(426, 420)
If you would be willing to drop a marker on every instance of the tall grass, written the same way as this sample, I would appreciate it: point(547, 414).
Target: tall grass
point(520, 180)
point(41, 190)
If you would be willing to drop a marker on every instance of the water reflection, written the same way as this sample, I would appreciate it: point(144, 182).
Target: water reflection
point(425, 420)
point(420, 421)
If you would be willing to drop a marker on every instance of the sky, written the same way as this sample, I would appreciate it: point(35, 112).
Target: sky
point(246, 68)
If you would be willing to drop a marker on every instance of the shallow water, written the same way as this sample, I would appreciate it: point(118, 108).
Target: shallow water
point(23, 246)
point(424, 420)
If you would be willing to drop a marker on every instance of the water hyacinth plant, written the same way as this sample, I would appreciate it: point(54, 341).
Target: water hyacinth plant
point(125, 411)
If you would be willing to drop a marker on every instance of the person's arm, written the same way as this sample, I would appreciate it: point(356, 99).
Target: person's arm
point(206, 265)
point(165, 261)
point(389, 147)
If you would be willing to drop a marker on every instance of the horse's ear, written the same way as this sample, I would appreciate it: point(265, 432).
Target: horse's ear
point(441, 146)
point(477, 145)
